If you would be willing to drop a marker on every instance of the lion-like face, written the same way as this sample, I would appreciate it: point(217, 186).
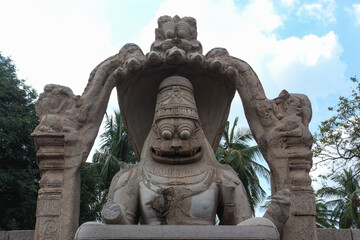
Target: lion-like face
point(177, 141)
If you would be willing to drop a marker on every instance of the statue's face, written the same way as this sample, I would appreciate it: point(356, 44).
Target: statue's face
point(177, 141)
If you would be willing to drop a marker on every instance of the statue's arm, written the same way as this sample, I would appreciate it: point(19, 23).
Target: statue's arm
point(279, 210)
point(234, 206)
point(122, 205)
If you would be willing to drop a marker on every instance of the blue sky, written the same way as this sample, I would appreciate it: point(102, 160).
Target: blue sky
point(309, 47)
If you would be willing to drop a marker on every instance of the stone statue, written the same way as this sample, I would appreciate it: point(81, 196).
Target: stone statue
point(178, 180)
point(174, 102)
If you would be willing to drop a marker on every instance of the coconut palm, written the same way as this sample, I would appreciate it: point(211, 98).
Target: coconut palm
point(345, 199)
point(115, 147)
point(234, 150)
point(323, 214)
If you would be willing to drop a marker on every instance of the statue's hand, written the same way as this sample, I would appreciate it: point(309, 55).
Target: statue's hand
point(279, 208)
point(111, 213)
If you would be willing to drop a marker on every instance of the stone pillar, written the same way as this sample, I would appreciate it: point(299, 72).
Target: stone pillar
point(301, 222)
point(50, 156)
point(68, 127)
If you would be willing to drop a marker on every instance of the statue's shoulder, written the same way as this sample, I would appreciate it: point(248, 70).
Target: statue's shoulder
point(226, 174)
point(126, 171)
point(122, 178)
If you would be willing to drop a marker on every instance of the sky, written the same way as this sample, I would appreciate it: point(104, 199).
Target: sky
point(309, 47)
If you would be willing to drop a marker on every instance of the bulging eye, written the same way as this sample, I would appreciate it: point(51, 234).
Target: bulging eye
point(185, 134)
point(166, 134)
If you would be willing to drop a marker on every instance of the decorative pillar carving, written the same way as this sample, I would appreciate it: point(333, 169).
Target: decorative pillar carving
point(50, 156)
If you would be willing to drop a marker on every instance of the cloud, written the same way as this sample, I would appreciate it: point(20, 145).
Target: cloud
point(305, 64)
point(55, 42)
point(357, 13)
point(58, 42)
point(322, 10)
point(289, 3)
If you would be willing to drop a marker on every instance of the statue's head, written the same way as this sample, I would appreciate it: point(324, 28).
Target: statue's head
point(55, 99)
point(176, 32)
point(177, 134)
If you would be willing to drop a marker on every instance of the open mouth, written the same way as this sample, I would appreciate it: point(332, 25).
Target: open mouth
point(176, 157)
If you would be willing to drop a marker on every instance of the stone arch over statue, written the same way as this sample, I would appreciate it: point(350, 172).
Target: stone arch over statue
point(65, 136)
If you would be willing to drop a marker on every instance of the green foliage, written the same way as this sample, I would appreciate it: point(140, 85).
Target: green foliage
point(235, 151)
point(344, 199)
point(92, 189)
point(19, 175)
point(323, 214)
point(96, 177)
point(338, 139)
point(115, 147)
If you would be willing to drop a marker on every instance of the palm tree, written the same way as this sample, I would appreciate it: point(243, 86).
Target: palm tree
point(322, 214)
point(235, 151)
point(115, 147)
point(345, 200)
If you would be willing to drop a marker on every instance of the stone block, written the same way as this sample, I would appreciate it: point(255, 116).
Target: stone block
point(21, 235)
point(355, 234)
point(97, 231)
point(334, 234)
point(4, 235)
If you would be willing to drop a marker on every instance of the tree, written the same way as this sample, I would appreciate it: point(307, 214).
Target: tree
point(92, 189)
point(19, 174)
point(338, 139)
point(96, 176)
point(344, 199)
point(115, 147)
point(323, 214)
point(235, 151)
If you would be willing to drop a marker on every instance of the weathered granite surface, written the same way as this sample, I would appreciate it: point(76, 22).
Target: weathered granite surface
point(335, 234)
point(97, 231)
point(323, 234)
point(17, 235)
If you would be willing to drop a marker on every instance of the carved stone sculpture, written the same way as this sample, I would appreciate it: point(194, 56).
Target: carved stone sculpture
point(175, 102)
point(178, 180)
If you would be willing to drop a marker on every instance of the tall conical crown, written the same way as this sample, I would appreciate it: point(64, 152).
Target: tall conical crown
point(176, 99)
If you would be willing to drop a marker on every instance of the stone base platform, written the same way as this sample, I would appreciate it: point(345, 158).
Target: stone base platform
point(99, 231)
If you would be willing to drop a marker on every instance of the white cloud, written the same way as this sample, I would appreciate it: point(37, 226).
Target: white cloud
point(357, 13)
point(52, 42)
point(306, 64)
point(322, 10)
point(289, 3)
point(58, 42)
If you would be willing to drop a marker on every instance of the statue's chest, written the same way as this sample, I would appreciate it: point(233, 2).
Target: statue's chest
point(178, 204)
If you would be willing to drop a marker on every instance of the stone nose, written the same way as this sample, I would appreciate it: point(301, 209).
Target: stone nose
point(175, 145)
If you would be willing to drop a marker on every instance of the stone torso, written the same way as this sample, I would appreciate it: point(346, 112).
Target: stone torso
point(181, 201)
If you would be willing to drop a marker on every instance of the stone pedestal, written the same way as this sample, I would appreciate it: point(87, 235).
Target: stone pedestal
point(97, 231)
